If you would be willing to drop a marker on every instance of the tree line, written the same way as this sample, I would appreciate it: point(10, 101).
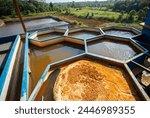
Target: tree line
point(136, 9)
point(130, 10)
point(26, 7)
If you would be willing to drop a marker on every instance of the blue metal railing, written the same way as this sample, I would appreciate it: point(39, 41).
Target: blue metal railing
point(25, 79)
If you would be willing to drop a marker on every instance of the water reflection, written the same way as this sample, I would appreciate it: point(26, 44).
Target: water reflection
point(112, 49)
point(48, 36)
point(41, 57)
point(16, 28)
point(120, 33)
point(84, 34)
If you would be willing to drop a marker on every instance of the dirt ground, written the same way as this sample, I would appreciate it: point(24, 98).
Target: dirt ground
point(1, 23)
point(82, 21)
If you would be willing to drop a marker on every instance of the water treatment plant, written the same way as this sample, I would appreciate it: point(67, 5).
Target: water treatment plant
point(54, 62)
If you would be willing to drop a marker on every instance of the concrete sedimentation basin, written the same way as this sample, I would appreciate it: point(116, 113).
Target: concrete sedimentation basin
point(75, 64)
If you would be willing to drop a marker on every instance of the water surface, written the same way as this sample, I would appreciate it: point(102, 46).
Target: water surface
point(84, 34)
point(117, 50)
point(16, 27)
point(120, 33)
point(48, 36)
point(39, 21)
point(41, 57)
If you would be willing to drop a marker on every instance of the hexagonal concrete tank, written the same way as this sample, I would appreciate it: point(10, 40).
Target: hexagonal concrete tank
point(49, 51)
point(114, 48)
point(126, 32)
point(84, 32)
point(40, 36)
point(100, 85)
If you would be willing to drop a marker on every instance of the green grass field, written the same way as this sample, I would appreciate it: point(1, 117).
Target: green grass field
point(82, 13)
point(95, 13)
point(102, 14)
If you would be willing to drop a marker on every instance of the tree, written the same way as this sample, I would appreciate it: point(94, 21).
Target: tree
point(120, 17)
point(67, 11)
point(73, 4)
point(132, 13)
point(92, 14)
point(87, 15)
point(131, 16)
point(51, 4)
point(140, 15)
point(6, 7)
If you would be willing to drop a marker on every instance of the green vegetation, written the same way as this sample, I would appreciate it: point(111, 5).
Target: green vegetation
point(112, 10)
point(136, 9)
point(115, 11)
point(89, 13)
point(26, 7)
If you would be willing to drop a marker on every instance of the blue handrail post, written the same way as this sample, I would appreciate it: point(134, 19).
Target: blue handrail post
point(25, 80)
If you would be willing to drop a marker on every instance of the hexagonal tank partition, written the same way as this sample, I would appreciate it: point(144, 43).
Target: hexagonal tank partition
point(140, 67)
point(115, 48)
point(126, 32)
point(51, 51)
point(88, 78)
point(46, 35)
point(84, 32)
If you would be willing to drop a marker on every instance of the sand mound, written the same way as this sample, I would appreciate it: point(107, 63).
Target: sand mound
point(90, 81)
